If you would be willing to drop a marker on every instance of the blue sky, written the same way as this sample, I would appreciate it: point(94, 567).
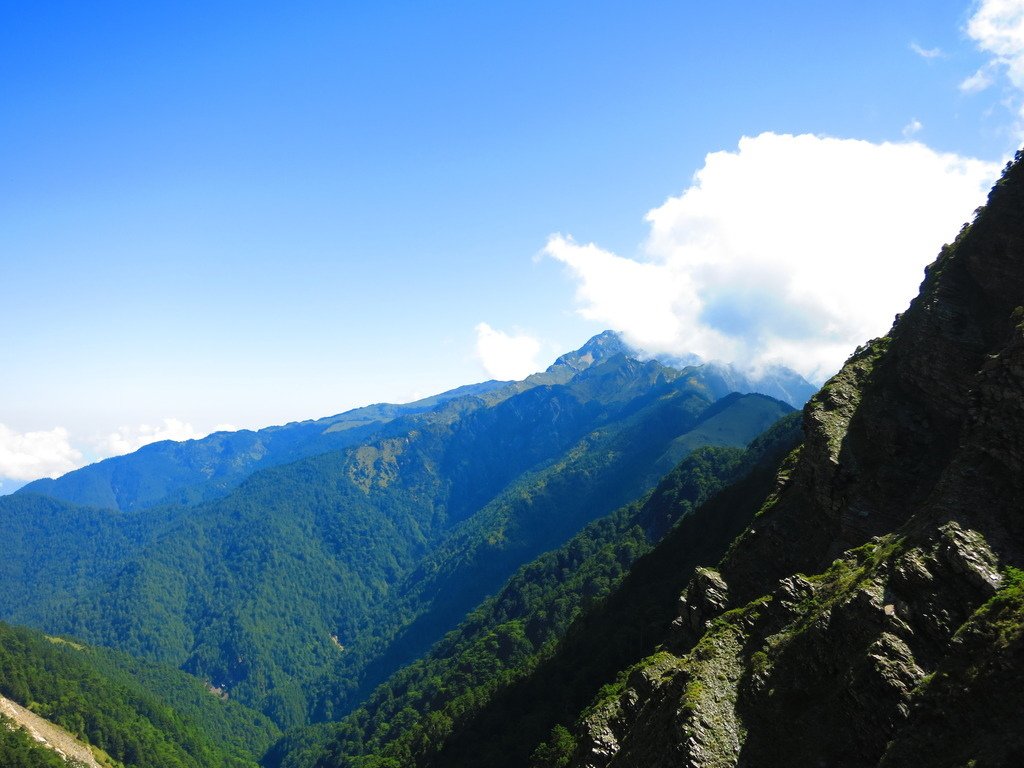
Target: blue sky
point(251, 213)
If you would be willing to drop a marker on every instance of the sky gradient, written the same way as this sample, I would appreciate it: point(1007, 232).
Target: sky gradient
point(228, 214)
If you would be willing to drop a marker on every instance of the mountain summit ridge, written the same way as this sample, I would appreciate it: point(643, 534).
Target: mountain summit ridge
point(775, 380)
point(597, 348)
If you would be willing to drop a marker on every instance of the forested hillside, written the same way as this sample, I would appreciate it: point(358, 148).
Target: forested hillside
point(136, 714)
point(309, 583)
point(409, 719)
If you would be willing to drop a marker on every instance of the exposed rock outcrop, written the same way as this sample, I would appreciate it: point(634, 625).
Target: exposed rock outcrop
point(53, 737)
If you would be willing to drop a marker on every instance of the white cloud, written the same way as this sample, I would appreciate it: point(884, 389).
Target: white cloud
point(611, 287)
point(997, 26)
point(792, 249)
point(979, 81)
point(506, 357)
point(914, 126)
point(31, 455)
point(128, 439)
point(926, 53)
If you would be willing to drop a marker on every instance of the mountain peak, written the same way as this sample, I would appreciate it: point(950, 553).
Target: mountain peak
point(719, 377)
point(604, 345)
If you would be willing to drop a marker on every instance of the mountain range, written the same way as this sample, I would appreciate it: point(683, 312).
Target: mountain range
point(169, 472)
point(616, 562)
point(296, 567)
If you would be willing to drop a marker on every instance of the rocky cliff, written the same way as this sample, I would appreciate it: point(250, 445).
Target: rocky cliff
point(872, 613)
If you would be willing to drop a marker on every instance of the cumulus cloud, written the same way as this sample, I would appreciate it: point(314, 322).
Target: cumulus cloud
point(926, 53)
point(31, 455)
point(128, 439)
point(791, 249)
point(506, 357)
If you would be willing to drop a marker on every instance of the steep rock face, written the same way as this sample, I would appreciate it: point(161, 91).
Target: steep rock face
point(872, 610)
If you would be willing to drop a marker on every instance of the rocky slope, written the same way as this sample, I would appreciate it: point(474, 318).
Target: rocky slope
point(872, 613)
point(51, 736)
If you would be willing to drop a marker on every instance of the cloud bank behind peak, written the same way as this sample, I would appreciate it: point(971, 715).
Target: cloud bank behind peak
point(789, 250)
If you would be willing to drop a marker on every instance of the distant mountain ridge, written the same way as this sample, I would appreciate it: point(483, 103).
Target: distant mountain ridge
point(194, 471)
point(720, 377)
point(776, 381)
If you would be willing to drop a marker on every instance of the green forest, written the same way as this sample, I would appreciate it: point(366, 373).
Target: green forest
point(370, 600)
point(138, 714)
